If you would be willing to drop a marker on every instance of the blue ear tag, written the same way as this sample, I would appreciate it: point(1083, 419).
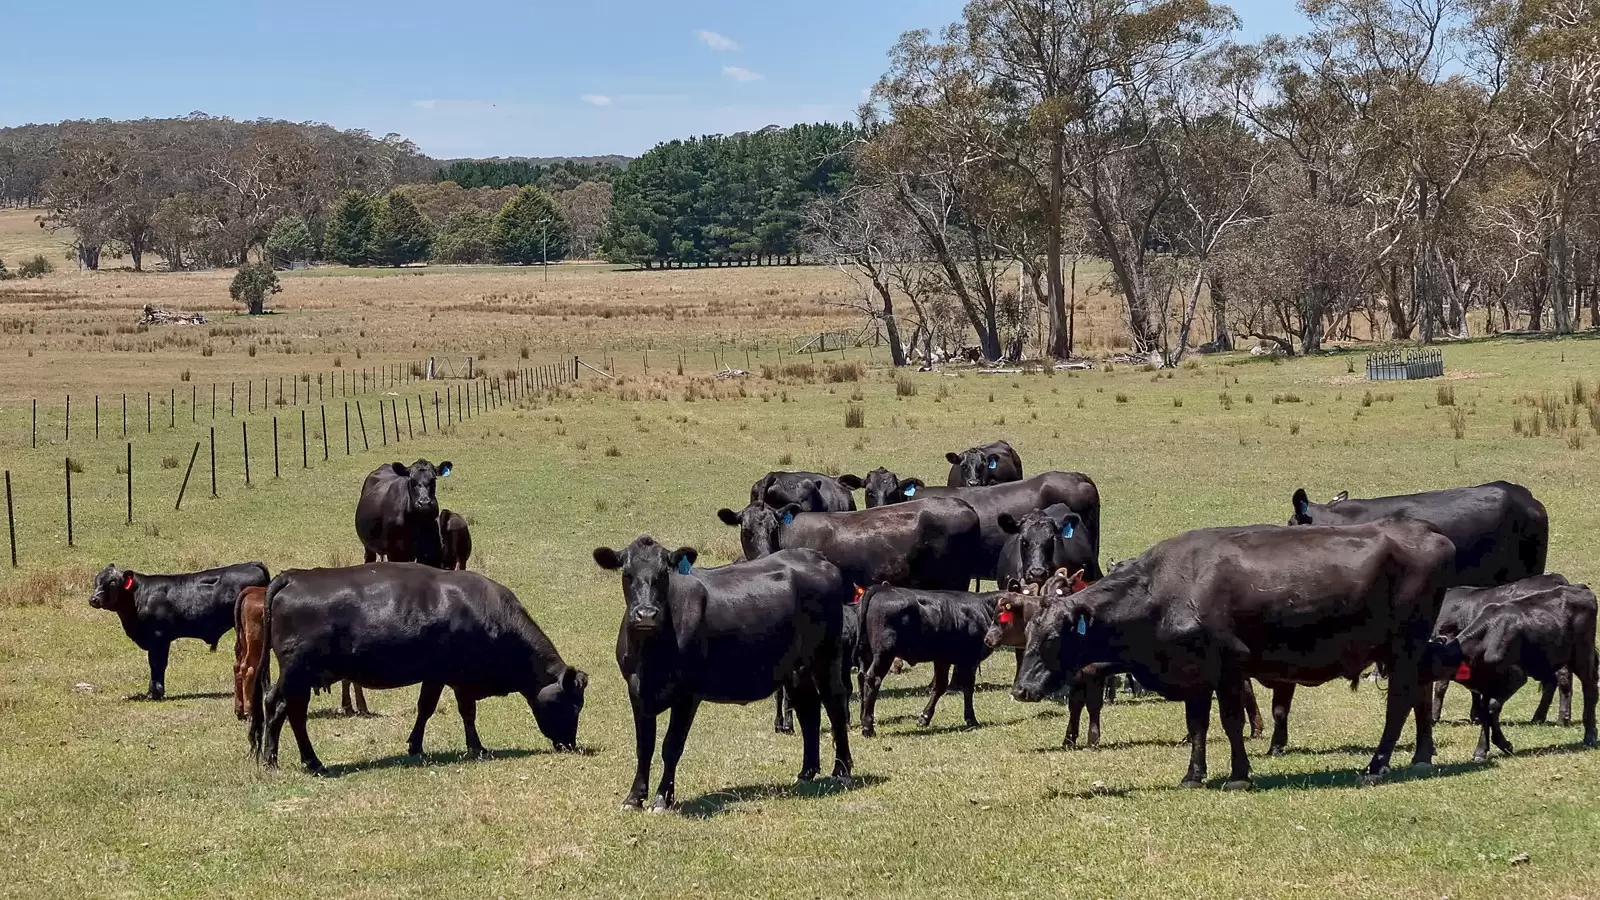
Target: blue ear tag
point(994, 463)
point(1067, 530)
point(445, 472)
point(910, 490)
point(788, 518)
point(683, 566)
point(1083, 624)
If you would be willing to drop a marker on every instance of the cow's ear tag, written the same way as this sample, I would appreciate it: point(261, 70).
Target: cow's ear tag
point(994, 463)
point(1067, 530)
point(445, 470)
point(788, 518)
point(127, 584)
point(910, 490)
point(1083, 624)
point(684, 565)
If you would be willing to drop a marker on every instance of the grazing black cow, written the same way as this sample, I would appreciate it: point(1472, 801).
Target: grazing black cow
point(158, 609)
point(388, 625)
point(945, 628)
point(1042, 542)
point(397, 517)
point(810, 491)
point(927, 544)
point(1199, 613)
point(1018, 498)
point(1533, 633)
point(455, 540)
point(1500, 530)
point(733, 634)
point(994, 463)
point(1463, 604)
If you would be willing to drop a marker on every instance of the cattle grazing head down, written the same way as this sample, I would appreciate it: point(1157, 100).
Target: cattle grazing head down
point(884, 487)
point(977, 467)
point(647, 569)
point(759, 525)
point(556, 708)
point(422, 492)
point(1305, 512)
point(1049, 539)
point(1060, 642)
point(113, 588)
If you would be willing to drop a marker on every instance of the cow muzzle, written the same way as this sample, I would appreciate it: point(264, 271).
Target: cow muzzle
point(645, 621)
point(97, 600)
point(1027, 693)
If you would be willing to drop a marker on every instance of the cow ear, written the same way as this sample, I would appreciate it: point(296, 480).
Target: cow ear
point(728, 517)
point(445, 468)
point(954, 458)
point(400, 469)
point(1302, 504)
point(787, 514)
point(851, 482)
point(813, 486)
point(1008, 523)
point(607, 558)
point(1340, 497)
point(683, 559)
point(574, 680)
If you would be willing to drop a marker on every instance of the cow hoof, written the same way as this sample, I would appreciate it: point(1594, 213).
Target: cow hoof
point(1480, 757)
point(1276, 750)
point(477, 753)
point(779, 729)
point(1590, 742)
point(414, 750)
point(316, 770)
point(868, 731)
point(661, 805)
point(923, 721)
point(1566, 721)
point(806, 775)
point(1371, 779)
point(1422, 767)
point(1192, 784)
point(632, 804)
point(972, 723)
point(1238, 784)
point(841, 771)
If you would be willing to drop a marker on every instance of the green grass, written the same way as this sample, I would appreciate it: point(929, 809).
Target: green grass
point(105, 796)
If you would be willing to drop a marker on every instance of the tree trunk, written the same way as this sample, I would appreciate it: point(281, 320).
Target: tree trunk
point(137, 252)
point(897, 352)
point(1389, 280)
point(1060, 333)
point(1189, 308)
point(1219, 316)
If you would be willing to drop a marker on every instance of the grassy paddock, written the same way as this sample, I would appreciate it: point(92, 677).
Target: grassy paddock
point(105, 796)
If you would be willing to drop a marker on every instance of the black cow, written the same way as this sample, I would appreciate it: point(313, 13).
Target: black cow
point(388, 625)
point(397, 517)
point(810, 491)
point(455, 540)
point(733, 634)
point(1041, 542)
point(945, 628)
point(927, 544)
point(1018, 498)
point(1532, 633)
point(994, 463)
point(1463, 604)
point(1200, 612)
point(1500, 530)
point(158, 609)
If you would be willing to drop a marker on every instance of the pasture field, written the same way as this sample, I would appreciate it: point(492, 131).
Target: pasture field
point(106, 796)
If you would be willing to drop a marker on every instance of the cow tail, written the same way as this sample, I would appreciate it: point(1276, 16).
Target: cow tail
point(258, 690)
point(863, 648)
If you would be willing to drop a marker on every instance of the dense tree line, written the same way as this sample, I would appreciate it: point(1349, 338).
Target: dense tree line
point(1405, 168)
point(725, 199)
point(563, 175)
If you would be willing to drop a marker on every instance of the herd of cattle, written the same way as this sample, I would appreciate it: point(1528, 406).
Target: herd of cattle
point(1429, 588)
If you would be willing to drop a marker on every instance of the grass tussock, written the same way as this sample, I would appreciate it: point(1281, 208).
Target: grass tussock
point(855, 416)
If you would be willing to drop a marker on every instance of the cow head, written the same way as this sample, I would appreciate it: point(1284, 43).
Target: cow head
point(114, 588)
point(1308, 513)
point(422, 477)
point(1048, 539)
point(976, 467)
point(647, 569)
point(1015, 608)
point(1059, 643)
point(556, 707)
point(884, 487)
point(758, 526)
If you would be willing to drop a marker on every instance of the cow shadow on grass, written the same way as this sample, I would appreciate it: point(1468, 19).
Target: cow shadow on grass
point(923, 689)
point(425, 760)
point(334, 712)
point(715, 803)
point(1350, 778)
point(144, 697)
point(951, 728)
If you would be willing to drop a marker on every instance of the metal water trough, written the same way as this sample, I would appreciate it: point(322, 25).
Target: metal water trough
point(1405, 365)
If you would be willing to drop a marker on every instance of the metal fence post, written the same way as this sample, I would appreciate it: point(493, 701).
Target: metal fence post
point(69, 501)
point(244, 429)
point(213, 462)
point(130, 482)
point(186, 473)
point(11, 521)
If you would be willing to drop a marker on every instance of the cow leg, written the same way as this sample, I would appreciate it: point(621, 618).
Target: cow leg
point(427, 702)
point(1404, 682)
point(1476, 714)
point(1547, 695)
point(1094, 689)
point(158, 671)
point(369, 556)
point(1076, 698)
point(1019, 665)
point(1198, 712)
point(1439, 687)
point(783, 713)
point(941, 683)
point(239, 667)
point(361, 702)
point(1481, 753)
point(871, 681)
point(808, 709)
point(1423, 710)
point(1252, 708)
point(345, 706)
point(296, 704)
point(837, 702)
point(468, 708)
point(1564, 685)
point(644, 746)
point(672, 750)
point(1588, 672)
point(1230, 701)
point(1282, 699)
point(966, 680)
point(274, 709)
point(1493, 707)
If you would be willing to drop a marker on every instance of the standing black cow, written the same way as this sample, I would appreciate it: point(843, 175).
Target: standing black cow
point(810, 491)
point(994, 463)
point(1532, 633)
point(1200, 612)
point(388, 625)
point(945, 628)
point(1500, 530)
point(734, 634)
point(1018, 498)
point(1462, 605)
point(455, 540)
point(397, 517)
point(928, 544)
point(1042, 542)
point(158, 609)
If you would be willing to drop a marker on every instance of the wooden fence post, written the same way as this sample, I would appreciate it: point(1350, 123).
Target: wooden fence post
point(186, 473)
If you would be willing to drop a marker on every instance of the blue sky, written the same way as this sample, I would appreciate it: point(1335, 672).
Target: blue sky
point(488, 78)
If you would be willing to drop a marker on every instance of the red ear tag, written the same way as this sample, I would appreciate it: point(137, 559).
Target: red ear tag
point(128, 585)
point(1006, 617)
point(1463, 672)
point(1078, 583)
point(859, 592)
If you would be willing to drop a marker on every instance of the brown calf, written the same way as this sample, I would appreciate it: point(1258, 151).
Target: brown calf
point(247, 621)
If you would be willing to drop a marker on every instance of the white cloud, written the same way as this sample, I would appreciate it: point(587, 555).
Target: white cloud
point(739, 73)
point(597, 99)
point(425, 104)
point(717, 42)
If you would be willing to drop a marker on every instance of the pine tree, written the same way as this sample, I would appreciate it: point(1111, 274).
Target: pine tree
point(402, 234)
point(531, 228)
point(290, 241)
point(351, 230)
